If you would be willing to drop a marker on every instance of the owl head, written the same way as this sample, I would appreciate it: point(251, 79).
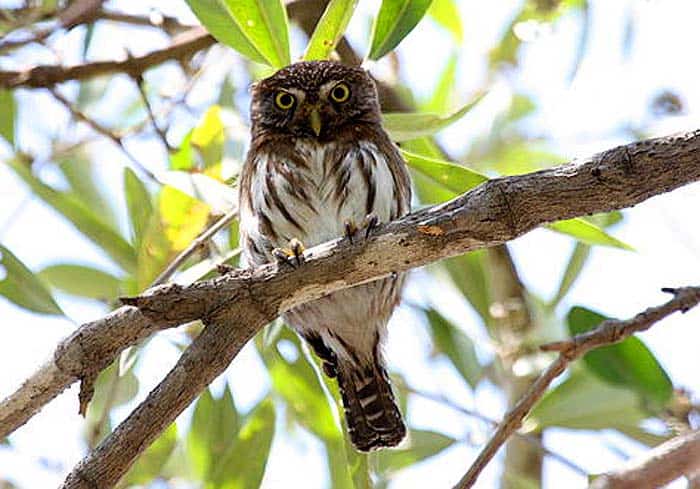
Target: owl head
point(314, 99)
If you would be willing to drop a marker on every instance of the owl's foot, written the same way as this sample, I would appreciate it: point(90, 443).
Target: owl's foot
point(369, 224)
point(224, 268)
point(294, 255)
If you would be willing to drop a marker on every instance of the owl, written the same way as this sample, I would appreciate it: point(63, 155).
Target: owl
point(321, 167)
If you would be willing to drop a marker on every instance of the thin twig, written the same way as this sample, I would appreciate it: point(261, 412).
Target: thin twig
point(99, 128)
point(183, 46)
point(196, 244)
point(139, 81)
point(536, 442)
point(608, 332)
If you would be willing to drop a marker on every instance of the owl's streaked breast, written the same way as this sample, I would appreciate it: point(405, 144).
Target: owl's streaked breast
point(311, 195)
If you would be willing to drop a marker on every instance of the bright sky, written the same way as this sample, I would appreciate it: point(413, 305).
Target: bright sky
point(611, 90)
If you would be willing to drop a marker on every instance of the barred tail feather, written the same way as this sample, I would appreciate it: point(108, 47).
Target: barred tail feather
point(373, 419)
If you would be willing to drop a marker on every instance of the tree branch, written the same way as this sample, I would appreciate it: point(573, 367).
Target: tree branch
point(237, 305)
point(184, 46)
point(665, 463)
point(607, 332)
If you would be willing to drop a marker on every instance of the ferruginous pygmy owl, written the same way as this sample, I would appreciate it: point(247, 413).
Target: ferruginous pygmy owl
point(319, 167)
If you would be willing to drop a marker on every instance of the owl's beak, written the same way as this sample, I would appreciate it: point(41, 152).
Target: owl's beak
point(315, 121)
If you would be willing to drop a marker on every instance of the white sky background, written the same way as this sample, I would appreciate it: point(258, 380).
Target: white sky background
point(610, 91)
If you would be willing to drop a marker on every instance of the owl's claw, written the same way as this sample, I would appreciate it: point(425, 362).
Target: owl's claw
point(369, 224)
point(294, 255)
point(350, 230)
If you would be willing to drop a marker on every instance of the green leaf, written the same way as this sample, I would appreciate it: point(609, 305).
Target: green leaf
point(457, 179)
point(138, 202)
point(441, 98)
point(580, 255)
point(587, 233)
point(573, 269)
point(395, 20)
point(403, 126)
point(330, 29)
point(628, 363)
point(422, 445)
point(583, 401)
point(150, 464)
point(82, 281)
point(82, 217)
point(8, 113)
point(177, 220)
point(208, 139)
point(243, 465)
point(458, 347)
point(258, 29)
point(298, 383)
point(214, 428)
point(19, 285)
point(469, 275)
point(79, 171)
point(446, 14)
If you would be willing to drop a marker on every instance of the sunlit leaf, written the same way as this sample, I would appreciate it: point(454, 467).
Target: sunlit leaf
point(403, 126)
point(150, 464)
point(583, 401)
point(257, 29)
point(216, 194)
point(456, 179)
point(19, 285)
point(82, 281)
point(396, 18)
point(422, 444)
point(587, 233)
point(176, 221)
point(8, 113)
point(214, 429)
point(82, 217)
point(138, 203)
point(208, 138)
point(456, 345)
point(446, 14)
point(628, 363)
point(330, 29)
point(243, 464)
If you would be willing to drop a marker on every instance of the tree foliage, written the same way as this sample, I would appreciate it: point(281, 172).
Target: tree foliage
point(156, 212)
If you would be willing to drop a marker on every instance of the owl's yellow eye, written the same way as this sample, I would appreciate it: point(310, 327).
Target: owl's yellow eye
point(284, 100)
point(340, 93)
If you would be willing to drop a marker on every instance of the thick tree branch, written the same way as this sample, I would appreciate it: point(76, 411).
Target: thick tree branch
point(665, 463)
point(607, 332)
point(184, 46)
point(235, 306)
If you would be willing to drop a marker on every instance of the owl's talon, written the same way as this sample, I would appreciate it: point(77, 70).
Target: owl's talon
point(350, 230)
point(224, 268)
point(370, 223)
point(297, 250)
point(294, 255)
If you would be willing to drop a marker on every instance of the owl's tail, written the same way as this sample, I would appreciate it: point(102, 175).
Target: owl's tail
point(373, 418)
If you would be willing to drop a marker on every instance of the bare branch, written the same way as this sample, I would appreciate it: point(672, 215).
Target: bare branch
point(183, 47)
point(104, 131)
point(608, 332)
point(235, 306)
point(665, 463)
